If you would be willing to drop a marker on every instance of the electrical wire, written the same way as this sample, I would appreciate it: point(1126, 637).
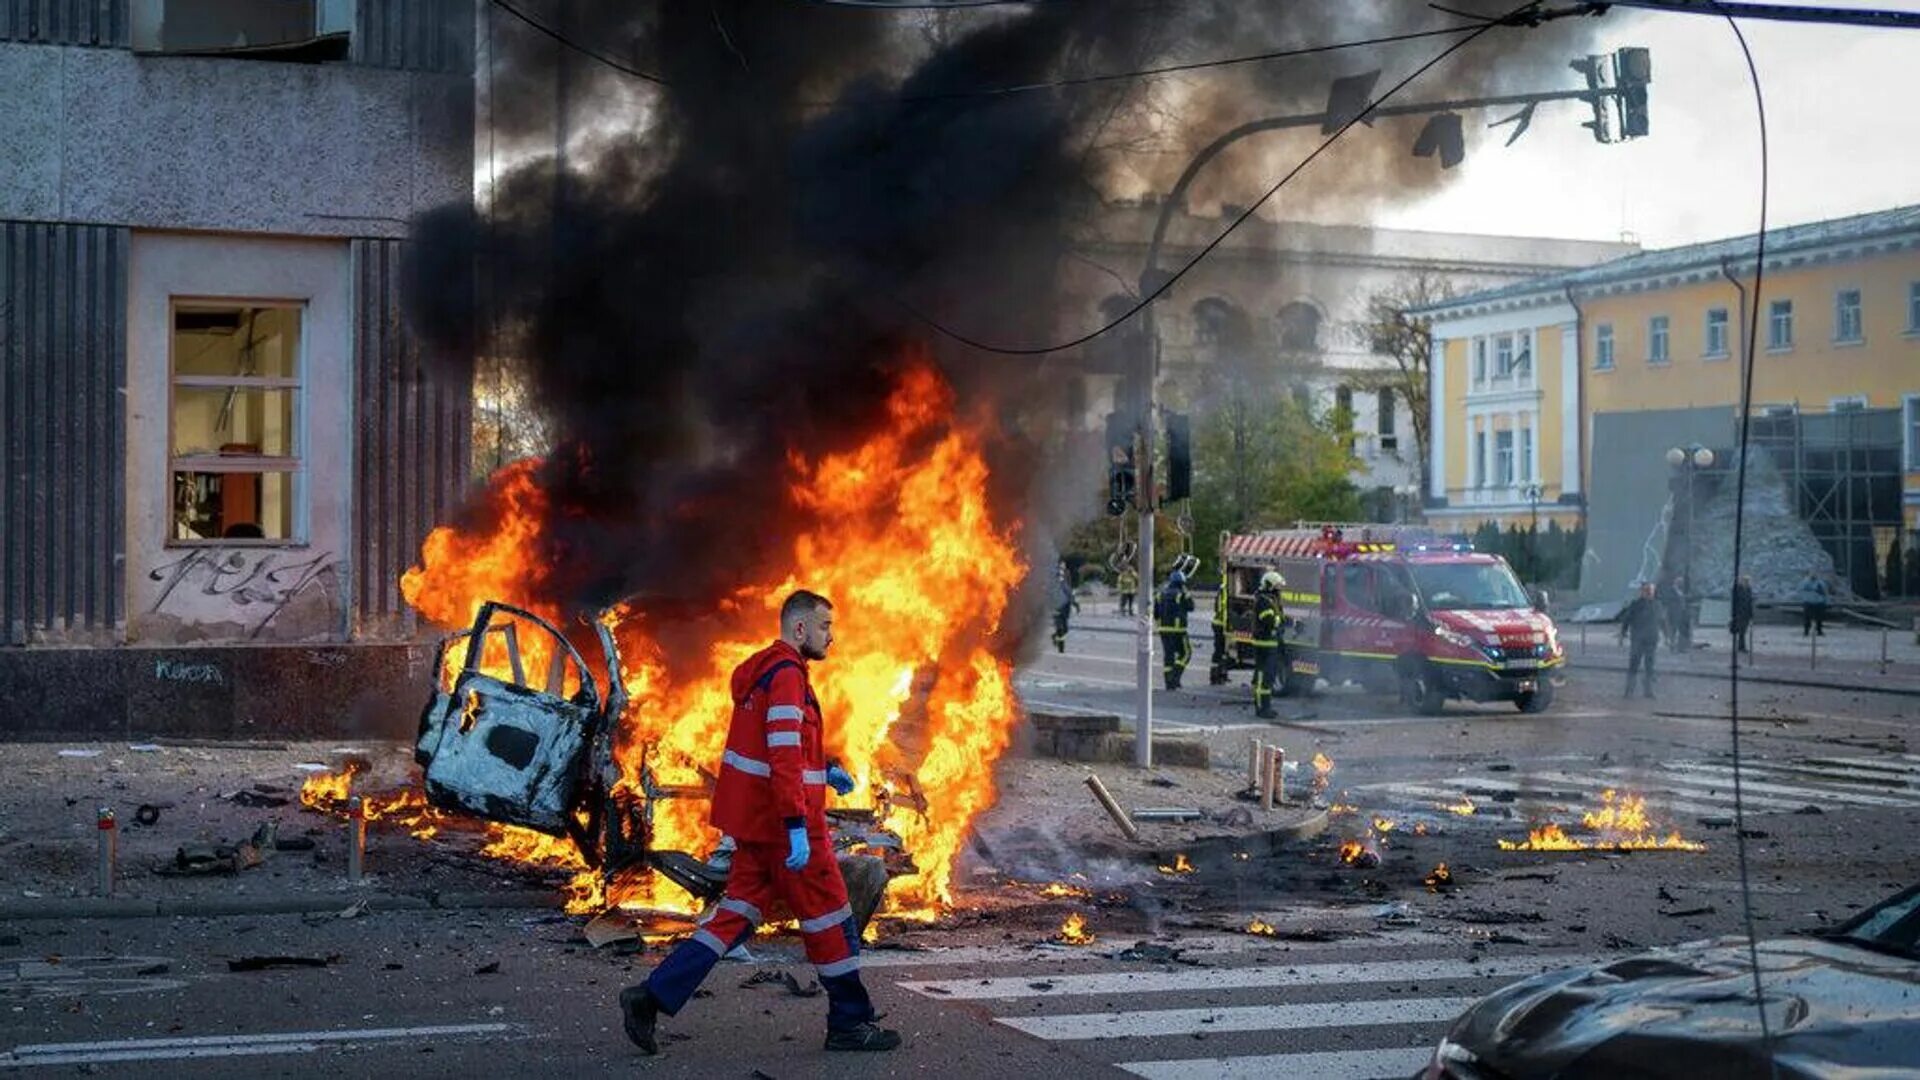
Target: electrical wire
point(1739, 537)
point(568, 42)
point(1246, 214)
point(1830, 16)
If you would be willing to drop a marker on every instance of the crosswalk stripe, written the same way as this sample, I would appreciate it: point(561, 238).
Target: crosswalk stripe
point(1876, 765)
point(1251, 945)
point(1662, 794)
point(1525, 785)
point(1258, 977)
point(1850, 775)
point(1809, 794)
point(1331, 1014)
point(1332, 1065)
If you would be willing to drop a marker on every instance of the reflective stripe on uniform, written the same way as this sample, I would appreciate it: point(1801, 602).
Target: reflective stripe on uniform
point(741, 907)
point(705, 938)
point(839, 967)
point(823, 922)
point(783, 738)
point(814, 776)
point(746, 764)
point(777, 713)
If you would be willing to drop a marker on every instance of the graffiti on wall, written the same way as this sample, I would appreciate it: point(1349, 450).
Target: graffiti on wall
point(257, 585)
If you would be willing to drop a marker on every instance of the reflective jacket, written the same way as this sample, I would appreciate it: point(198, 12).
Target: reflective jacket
point(1172, 608)
point(1220, 605)
point(1267, 616)
point(774, 773)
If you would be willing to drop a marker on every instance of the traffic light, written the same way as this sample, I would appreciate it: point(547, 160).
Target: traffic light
point(1632, 73)
point(1120, 465)
point(1179, 457)
point(1590, 67)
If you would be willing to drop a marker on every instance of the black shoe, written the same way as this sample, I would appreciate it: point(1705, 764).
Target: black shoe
point(1266, 714)
point(868, 1036)
point(639, 1012)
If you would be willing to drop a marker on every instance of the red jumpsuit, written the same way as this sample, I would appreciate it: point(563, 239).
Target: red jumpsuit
point(773, 776)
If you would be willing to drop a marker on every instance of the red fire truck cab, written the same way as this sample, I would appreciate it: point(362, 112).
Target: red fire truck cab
point(1396, 609)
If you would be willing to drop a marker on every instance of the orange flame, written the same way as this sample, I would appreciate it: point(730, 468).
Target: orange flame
point(1439, 879)
point(1383, 824)
point(1180, 865)
point(1262, 928)
point(1464, 807)
point(1063, 890)
point(1074, 931)
point(920, 571)
point(1351, 850)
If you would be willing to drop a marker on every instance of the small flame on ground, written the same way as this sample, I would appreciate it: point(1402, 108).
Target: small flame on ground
point(1439, 879)
point(1383, 825)
point(1420, 828)
point(323, 790)
point(1351, 850)
point(1322, 771)
point(1180, 865)
point(1622, 825)
point(1074, 931)
point(1340, 808)
point(1464, 807)
point(1062, 889)
point(1262, 928)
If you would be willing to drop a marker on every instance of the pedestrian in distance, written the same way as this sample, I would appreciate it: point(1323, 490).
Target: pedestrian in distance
point(1064, 605)
point(771, 798)
point(1170, 611)
point(1814, 598)
point(1742, 625)
point(1640, 623)
point(1674, 601)
point(1128, 582)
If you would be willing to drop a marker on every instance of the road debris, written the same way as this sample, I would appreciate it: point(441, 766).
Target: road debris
point(269, 963)
point(1112, 808)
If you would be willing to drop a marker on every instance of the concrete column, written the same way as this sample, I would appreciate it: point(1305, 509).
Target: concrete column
point(1571, 422)
point(1437, 420)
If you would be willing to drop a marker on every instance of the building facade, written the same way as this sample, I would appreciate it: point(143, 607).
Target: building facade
point(1293, 296)
point(221, 444)
point(1635, 366)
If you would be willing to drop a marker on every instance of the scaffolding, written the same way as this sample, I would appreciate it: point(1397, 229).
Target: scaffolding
point(1843, 470)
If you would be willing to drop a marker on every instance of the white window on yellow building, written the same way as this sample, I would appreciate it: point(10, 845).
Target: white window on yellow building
point(235, 441)
point(1523, 361)
point(1503, 356)
point(1910, 417)
point(1479, 361)
point(1657, 340)
point(1603, 347)
point(1503, 458)
point(1780, 325)
point(1846, 317)
point(1526, 455)
point(1479, 459)
point(1913, 307)
point(1716, 332)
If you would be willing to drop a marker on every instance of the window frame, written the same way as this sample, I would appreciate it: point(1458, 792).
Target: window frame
point(1777, 311)
point(1524, 451)
point(1479, 358)
point(293, 465)
point(1603, 346)
point(1660, 332)
point(1503, 470)
point(1859, 336)
point(1847, 403)
point(1910, 430)
point(1503, 356)
point(1479, 462)
point(1708, 352)
point(1913, 308)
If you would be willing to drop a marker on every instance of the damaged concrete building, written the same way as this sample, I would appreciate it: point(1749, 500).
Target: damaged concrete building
point(219, 445)
point(1624, 417)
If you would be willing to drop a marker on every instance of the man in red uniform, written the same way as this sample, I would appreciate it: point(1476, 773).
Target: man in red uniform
point(771, 798)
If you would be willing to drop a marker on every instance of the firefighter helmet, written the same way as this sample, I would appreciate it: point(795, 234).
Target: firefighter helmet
point(1270, 581)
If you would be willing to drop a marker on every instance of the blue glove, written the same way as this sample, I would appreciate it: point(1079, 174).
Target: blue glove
point(799, 851)
point(838, 780)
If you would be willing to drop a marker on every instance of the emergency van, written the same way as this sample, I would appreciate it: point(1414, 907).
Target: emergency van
point(1397, 609)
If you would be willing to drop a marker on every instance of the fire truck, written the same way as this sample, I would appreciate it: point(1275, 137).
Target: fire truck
point(1397, 609)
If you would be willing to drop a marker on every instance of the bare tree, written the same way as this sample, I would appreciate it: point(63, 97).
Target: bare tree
point(1406, 339)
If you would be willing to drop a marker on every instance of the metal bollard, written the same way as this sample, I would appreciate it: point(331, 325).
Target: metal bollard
point(1270, 777)
point(1883, 650)
point(1255, 752)
point(1112, 808)
point(356, 840)
point(109, 830)
point(1813, 652)
point(1279, 776)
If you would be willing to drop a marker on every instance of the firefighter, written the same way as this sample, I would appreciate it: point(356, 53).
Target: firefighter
point(1063, 606)
point(771, 798)
point(1170, 612)
point(1222, 663)
point(1128, 583)
point(1268, 617)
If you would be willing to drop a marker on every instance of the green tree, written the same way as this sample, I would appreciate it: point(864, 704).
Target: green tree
point(1406, 343)
point(1261, 461)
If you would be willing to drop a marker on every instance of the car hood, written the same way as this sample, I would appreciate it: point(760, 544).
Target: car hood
point(1835, 1011)
point(1506, 627)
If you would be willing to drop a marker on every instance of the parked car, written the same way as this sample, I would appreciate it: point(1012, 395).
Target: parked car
point(1843, 1003)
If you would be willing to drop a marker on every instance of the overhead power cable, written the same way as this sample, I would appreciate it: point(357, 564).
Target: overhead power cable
point(1739, 538)
point(623, 68)
point(1168, 282)
point(1832, 16)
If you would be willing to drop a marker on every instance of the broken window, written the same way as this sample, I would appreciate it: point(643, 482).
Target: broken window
point(1299, 327)
point(234, 433)
point(309, 31)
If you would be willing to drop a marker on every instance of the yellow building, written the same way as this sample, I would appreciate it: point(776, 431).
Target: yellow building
point(1566, 396)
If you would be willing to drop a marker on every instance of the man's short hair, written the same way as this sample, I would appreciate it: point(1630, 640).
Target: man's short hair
point(800, 605)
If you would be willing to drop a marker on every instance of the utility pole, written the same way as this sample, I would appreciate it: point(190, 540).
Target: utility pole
point(1617, 91)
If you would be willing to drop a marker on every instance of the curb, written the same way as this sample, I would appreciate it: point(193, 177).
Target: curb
point(1766, 680)
point(96, 907)
point(1268, 842)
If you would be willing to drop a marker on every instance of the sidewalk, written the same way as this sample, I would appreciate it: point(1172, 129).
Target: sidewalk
point(1847, 658)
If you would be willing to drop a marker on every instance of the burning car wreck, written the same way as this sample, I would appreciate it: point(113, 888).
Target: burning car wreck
point(491, 746)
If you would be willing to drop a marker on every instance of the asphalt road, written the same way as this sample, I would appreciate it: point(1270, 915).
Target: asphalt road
point(1376, 968)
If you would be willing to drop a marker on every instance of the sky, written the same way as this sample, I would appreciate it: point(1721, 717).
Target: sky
point(1843, 138)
